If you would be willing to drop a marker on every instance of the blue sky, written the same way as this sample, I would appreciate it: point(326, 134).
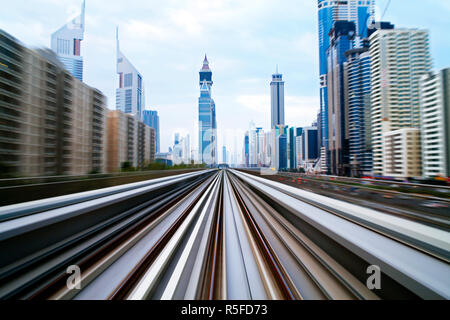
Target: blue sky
point(166, 41)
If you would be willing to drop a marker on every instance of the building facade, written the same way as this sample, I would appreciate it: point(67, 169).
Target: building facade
point(280, 160)
point(130, 96)
point(357, 70)
point(293, 133)
point(50, 122)
point(151, 119)
point(402, 156)
point(361, 13)
point(66, 42)
point(207, 125)
point(129, 141)
point(341, 38)
point(399, 58)
point(435, 123)
point(277, 100)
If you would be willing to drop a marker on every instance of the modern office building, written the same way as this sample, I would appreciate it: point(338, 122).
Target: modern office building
point(402, 156)
point(293, 133)
point(280, 147)
point(306, 148)
point(66, 42)
point(341, 38)
point(186, 148)
point(361, 13)
point(260, 147)
point(252, 145)
point(224, 154)
point(151, 119)
point(177, 151)
point(246, 150)
point(50, 122)
point(357, 82)
point(130, 96)
point(207, 125)
point(435, 123)
point(129, 140)
point(277, 100)
point(399, 58)
point(268, 149)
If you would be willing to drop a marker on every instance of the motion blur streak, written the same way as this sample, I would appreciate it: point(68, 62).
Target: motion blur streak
point(216, 234)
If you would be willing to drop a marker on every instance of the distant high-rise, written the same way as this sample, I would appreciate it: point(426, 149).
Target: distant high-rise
point(280, 143)
point(66, 42)
point(224, 154)
point(277, 100)
point(307, 151)
point(246, 150)
point(399, 58)
point(435, 123)
point(359, 12)
point(293, 133)
point(207, 138)
point(130, 94)
point(151, 119)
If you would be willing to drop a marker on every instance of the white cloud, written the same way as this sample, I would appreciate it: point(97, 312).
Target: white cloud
point(166, 41)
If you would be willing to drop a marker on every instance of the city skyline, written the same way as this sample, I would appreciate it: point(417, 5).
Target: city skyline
point(241, 74)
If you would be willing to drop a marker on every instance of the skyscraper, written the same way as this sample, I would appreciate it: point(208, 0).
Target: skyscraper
point(51, 123)
point(277, 100)
point(130, 94)
point(359, 12)
point(307, 151)
point(435, 123)
point(207, 126)
point(151, 119)
point(293, 133)
point(224, 154)
point(66, 42)
point(400, 57)
point(246, 150)
point(357, 81)
point(280, 143)
point(341, 37)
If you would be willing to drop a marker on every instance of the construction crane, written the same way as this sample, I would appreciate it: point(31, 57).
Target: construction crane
point(385, 9)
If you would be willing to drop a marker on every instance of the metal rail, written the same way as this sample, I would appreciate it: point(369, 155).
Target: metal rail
point(215, 235)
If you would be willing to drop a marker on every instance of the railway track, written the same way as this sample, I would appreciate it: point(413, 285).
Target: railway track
point(215, 235)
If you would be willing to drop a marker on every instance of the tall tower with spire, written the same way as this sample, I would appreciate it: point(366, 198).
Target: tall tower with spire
point(207, 126)
point(66, 42)
point(277, 99)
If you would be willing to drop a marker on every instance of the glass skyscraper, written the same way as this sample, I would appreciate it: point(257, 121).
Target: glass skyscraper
point(358, 84)
point(66, 42)
point(130, 94)
point(358, 11)
point(151, 119)
point(207, 126)
point(342, 35)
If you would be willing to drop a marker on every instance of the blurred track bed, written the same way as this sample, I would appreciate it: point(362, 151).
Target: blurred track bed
point(216, 235)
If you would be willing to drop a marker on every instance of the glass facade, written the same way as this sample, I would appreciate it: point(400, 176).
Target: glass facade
point(358, 84)
point(151, 119)
point(207, 126)
point(359, 12)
